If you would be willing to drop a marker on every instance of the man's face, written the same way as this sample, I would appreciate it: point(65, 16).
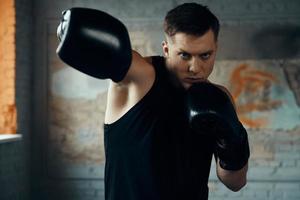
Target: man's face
point(191, 58)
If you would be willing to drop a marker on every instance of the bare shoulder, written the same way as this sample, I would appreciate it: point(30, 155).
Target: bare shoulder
point(141, 70)
point(140, 75)
point(148, 59)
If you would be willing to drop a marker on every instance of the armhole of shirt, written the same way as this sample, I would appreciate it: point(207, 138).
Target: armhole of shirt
point(156, 63)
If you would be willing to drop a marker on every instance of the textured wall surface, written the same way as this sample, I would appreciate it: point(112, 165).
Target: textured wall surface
point(15, 156)
point(7, 67)
point(259, 41)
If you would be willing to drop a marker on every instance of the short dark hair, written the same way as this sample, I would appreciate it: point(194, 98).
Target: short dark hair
point(191, 18)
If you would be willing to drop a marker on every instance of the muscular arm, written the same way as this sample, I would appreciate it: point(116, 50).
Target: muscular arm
point(101, 48)
point(125, 94)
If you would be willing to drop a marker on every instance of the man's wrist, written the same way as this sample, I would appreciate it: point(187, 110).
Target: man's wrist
point(234, 156)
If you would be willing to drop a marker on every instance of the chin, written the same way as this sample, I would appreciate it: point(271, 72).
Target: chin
point(186, 85)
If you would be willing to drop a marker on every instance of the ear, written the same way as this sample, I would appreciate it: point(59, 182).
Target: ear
point(165, 48)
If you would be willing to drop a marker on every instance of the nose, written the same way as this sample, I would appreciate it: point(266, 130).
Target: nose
point(195, 66)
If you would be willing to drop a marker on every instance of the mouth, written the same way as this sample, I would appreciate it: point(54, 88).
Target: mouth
point(194, 80)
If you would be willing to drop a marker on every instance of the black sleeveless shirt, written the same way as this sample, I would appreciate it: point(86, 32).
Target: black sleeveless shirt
point(151, 154)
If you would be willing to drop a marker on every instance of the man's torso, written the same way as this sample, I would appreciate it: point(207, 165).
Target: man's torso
point(150, 151)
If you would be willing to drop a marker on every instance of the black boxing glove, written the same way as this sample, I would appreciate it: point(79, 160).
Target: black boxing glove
point(94, 43)
point(210, 111)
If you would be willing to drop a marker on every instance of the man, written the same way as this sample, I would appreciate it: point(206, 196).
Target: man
point(163, 121)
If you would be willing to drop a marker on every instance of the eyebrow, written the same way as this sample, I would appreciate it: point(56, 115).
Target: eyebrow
point(205, 52)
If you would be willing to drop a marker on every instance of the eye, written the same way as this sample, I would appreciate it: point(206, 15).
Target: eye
point(184, 56)
point(205, 56)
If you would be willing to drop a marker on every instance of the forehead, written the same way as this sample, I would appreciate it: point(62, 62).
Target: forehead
point(192, 43)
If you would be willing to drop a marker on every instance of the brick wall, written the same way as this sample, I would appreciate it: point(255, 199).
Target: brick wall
point(7, 67)
point(273, 168)
point(15, 156)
